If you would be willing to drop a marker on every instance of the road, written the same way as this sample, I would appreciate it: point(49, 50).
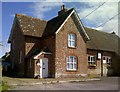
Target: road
point(110, 83)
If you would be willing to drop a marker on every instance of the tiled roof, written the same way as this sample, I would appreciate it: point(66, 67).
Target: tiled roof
point(100, 40)
point(55, 23)
point(39, 28)
point(37, 51)
point(31, 26)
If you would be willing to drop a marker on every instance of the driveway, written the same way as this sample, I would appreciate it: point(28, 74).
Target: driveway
point(107, 83)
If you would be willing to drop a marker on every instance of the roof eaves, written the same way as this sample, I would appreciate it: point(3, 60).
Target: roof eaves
point(97, 49)
point(11, 33)
point(88, 38)
point(42, 52)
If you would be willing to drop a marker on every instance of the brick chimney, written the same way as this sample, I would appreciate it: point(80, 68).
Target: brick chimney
point(63, 10)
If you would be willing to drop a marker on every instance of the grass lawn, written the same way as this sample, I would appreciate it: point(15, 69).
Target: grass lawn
point(21, 81)
point(4, 86)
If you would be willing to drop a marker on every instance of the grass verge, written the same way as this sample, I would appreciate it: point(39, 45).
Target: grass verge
point(4, 86)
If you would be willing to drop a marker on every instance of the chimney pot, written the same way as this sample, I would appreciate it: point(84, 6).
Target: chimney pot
point(63, 10)
point(62, 7)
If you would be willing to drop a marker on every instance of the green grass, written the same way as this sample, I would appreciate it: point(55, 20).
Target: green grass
point(92, 76)
point(4, 86)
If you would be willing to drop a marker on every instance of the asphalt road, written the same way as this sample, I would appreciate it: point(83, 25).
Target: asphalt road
point(109, 83)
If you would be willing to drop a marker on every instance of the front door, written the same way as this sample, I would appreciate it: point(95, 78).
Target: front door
point(104, 66)
point(43, 67)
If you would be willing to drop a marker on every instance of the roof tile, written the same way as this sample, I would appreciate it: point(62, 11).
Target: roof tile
point(31, 26)
point(100, 40)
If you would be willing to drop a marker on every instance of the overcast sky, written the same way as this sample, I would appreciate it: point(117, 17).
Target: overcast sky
point(47, 10)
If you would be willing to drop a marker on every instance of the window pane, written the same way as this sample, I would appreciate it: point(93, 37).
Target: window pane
point(75, 60)
point(71, 62)
point(71, 59)
point(92, 63)
point(110, 60)
point(67, 59)
point(67, 65)
point(74, 67)
point(73, 36)
point(73, 43)
point(69, 43)
point(93, 58)
point(70, 66)
point(71, 40)
point(103, 58)
point(107, 60)
point(69, 36)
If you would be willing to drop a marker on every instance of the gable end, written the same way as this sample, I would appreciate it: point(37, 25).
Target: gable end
point(80, 23)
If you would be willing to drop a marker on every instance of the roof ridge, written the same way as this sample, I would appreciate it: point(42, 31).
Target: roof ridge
point(61, 15)
point(30, 17)
point(99, 30)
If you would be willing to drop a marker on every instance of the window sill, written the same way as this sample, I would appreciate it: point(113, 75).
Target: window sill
point(92, 67)
point(73, 70)
point(71, 47)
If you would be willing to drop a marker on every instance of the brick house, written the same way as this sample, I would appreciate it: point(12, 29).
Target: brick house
point(61, 47)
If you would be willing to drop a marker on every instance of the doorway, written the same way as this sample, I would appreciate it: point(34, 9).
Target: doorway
point(44, 68)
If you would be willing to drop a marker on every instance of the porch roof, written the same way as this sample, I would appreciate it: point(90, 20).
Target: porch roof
point(36, 52)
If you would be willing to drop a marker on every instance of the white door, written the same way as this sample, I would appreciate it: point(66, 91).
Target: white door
point(104, 66)
point(44, 68)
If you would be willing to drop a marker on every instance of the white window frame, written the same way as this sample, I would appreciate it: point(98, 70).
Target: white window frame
point(109, 60)
point(104, 57)
point(92, 60)
point(73, 62)
point(30, 63)
point(70, 40)
point(21, 56)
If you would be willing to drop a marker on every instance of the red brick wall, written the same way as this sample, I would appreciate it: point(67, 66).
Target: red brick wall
point(19, 45)
point(62, 51)
point(31, 44)
point(30, 69)
point(50, 43)
point(98, 69)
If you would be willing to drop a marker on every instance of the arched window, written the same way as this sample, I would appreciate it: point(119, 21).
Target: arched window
point(71, 40)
